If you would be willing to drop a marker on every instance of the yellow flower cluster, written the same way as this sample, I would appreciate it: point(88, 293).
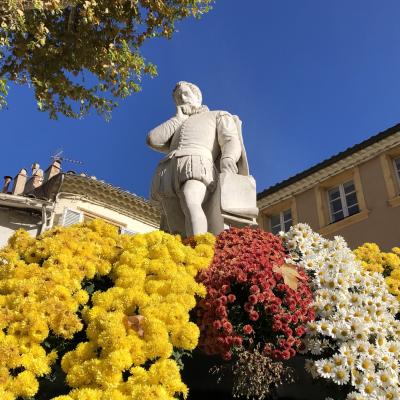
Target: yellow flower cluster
point(388, 264)
point(132, 328)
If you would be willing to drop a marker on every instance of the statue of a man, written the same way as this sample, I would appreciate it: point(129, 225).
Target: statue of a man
point(199, 145)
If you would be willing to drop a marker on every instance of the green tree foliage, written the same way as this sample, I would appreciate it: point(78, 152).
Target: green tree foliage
point(80, 55)
point(3, 93)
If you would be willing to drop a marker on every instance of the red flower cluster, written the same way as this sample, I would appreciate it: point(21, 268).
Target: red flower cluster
point(247, 303)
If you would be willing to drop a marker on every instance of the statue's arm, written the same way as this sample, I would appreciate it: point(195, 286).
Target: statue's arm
point(228, 139)
point(159, 137)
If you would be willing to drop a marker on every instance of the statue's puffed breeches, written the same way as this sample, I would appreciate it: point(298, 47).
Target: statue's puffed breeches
point(172, 173)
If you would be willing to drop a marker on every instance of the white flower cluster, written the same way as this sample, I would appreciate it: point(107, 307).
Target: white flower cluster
point(355, 339)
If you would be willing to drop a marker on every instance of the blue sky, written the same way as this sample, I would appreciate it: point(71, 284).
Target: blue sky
point(308, 78)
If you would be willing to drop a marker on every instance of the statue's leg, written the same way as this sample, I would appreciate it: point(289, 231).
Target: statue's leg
point(193, 193)
point(212, 208)
point(173, 214)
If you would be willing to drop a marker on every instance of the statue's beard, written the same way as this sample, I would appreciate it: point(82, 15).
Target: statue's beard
point(190, 109)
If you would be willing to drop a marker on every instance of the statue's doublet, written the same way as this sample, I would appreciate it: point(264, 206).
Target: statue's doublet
point(198, 135)
point(192, 147)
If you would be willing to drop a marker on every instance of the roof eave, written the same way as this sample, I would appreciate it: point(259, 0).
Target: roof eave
point(328, 162)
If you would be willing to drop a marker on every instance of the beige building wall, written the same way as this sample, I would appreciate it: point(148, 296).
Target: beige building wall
point(92, 210)
point(12, 219)
point(383, 223)
point(306, 206)
point(378, 195)
point(68, 199)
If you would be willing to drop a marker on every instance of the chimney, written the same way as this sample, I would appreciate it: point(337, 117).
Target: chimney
point(52, 170)
point(19, 182)
point(7, 181)
point(37, 175)
point(36, 178)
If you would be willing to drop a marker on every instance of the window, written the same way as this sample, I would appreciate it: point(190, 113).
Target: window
point(396, 162)
point(71, 217)
point(340, 202)
point(124, 231)
point(90, 216)
point(343, 201)
point(281, 222)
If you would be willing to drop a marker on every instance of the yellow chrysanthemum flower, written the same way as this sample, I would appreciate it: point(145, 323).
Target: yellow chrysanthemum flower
point(25, 384)
point(375, 260)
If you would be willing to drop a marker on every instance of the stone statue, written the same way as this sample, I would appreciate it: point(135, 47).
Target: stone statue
point(200, 146)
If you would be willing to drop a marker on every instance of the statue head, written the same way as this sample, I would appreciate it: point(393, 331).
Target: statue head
point(187, 93)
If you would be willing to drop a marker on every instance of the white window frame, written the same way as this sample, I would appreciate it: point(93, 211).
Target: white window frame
point(125, 231)
point(65, 213)
point(343, 201)
point(281, 219)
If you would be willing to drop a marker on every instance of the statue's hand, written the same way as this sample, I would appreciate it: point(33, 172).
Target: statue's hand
point(181, 112)
point(228, 165)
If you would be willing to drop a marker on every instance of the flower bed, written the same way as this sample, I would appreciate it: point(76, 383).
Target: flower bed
point(112, 309)
point(107, 316)
point(256, 301)
point(354, 342)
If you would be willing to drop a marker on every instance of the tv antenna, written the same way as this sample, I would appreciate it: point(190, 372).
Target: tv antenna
point(58, 156)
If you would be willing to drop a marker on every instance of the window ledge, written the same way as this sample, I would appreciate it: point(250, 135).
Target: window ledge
point(394, 202)
point(331, 228)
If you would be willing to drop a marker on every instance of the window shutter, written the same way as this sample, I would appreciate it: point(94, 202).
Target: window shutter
point(71, 217)
point(396, 163)
point(124, 231)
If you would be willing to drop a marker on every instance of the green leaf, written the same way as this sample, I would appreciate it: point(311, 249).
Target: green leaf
point(89, 288)
point(3, 93)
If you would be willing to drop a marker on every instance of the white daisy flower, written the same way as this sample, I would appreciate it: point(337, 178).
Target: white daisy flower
point(324, 327)
point(360, 335)
point(390, 393)
point(343, 332)
point(339, 360)
point(380, 340)
point(368, 389)
point(365, 363)
point(360, 348)
point(315, 347)
point(356, 299)
point(372, 329)
point(357, 378)
point(393, 348)
point(325, 368)
point(341, 375)
point(385, 378)
point(384, 358)
point(310, 367)
point(312, 328)
point(371, 350)
point(355, 396)
point(392, 365)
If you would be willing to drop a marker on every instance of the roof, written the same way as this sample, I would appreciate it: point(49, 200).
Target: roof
point(21, 202)
point(332, 160)
point(91, 188)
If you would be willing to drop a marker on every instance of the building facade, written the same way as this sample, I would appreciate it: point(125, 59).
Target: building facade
point(354, 194)
point(42, 200)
